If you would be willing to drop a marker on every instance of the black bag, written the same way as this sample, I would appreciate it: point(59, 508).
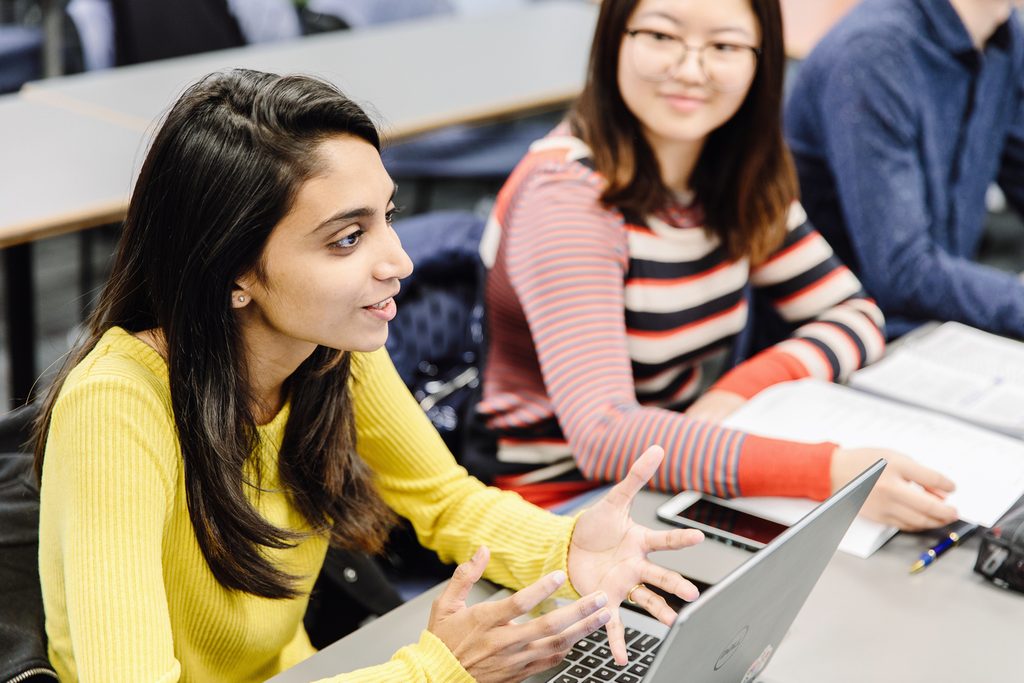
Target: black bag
point(436, 341)
point(1001, 556)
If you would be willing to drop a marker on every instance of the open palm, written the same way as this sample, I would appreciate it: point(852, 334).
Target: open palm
point(608, 552)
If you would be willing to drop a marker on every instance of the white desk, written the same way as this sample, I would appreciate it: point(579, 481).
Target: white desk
point(416, 76)
point(72, 145)
point(866, 620)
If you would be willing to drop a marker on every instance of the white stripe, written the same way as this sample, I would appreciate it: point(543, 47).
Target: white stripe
point(821, 297)
point(574, 147)
point(490, 240)
point(661, 349)
point(533, 453)
point(810, 358)
point(666, 244)
point(791, 264)
point(652, 385)
point(869, 309)
point(692, 292)
point(839, 343)
point(796, 216)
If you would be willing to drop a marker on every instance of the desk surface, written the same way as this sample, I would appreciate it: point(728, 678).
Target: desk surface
point(74, 163)
point(866, 620)
point(61, 171)
point(416, 75)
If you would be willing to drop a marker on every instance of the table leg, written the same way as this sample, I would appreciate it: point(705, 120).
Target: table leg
point(19, 290)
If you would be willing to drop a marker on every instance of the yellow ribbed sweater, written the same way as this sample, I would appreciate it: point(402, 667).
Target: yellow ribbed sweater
point(127, 593)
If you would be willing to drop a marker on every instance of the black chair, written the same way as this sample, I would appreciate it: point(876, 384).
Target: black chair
point(148, 30)
point(21, 56)
point(22, 635)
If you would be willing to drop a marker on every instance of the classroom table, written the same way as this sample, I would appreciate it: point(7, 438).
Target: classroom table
point(74, 144)
point(866, 620)
point(62, 172)
point(413, 76)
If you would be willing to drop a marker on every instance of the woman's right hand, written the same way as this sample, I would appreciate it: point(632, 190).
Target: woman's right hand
point(908, 495)
point(493, 648)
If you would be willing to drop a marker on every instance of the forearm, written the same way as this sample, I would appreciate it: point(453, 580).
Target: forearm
point(451, 512)
point(428, 661)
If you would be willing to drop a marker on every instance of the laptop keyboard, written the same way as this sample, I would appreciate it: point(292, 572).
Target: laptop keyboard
point(590, 660)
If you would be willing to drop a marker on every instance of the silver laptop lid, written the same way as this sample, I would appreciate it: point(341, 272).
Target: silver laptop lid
point(732, 631)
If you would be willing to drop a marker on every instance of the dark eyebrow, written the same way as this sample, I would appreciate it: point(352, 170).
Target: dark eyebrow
point(732, 29)
point(353, 214)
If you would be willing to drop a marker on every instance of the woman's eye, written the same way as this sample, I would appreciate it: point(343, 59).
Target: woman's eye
point(725, 47)
point(659, 36)
point(348, 241)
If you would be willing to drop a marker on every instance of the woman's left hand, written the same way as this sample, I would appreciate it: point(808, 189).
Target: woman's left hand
point(608, 552)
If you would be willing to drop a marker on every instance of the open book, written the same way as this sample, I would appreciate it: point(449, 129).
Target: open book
point(987, 467)
point(957, 370)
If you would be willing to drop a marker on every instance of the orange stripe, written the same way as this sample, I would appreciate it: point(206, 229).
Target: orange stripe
point(809, 237)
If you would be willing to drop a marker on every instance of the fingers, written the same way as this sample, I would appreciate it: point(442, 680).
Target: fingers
point(926, 477)
point(526, 599)
point(617, 639)
point(917, 510)
point(465, 576)
point(667, 580)
point(637, 477)
point(655, 605)
point(571, 622)
point(671, 540)
point(913, 509)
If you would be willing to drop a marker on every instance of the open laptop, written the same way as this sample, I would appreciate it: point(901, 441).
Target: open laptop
point(730, 632)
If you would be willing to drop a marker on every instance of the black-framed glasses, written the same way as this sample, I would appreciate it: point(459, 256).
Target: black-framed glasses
point(728, 66)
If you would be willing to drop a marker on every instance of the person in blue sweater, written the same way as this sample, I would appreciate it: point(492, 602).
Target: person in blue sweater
point(899, 121)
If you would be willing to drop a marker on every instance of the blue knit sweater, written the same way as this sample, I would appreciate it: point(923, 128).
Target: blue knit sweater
point(898, 125)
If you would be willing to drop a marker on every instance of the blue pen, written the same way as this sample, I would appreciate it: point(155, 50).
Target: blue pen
point(959, 533)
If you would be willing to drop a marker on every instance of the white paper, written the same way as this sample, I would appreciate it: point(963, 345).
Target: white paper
point(987, 468)
point(957, 370)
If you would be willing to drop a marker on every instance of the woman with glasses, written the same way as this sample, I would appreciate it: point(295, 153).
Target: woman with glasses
point(619, 253)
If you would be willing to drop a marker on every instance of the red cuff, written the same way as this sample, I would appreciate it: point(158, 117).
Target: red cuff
point(760, 372)
point(773, 467)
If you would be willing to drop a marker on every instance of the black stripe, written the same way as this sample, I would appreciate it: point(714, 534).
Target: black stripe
point(545, 429)
point(795, 235)
point(671, 320)
point(670, 390)
point(647, 370)
point(854, 337)
point(804, 279)
point(657, 270)
point(829, 353)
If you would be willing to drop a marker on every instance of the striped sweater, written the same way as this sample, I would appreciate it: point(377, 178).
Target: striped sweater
point(605, 326)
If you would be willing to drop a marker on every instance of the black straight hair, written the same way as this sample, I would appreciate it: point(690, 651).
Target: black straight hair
point(222, 171)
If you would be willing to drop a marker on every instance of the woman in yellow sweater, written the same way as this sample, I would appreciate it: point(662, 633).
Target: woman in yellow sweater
point(231, 412)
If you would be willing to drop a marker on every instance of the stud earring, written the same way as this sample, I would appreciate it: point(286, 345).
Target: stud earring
point(241, 298)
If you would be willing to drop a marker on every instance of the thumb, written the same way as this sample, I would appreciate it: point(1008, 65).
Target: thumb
point(639, 474)
point(465, 577)
point(927, 477)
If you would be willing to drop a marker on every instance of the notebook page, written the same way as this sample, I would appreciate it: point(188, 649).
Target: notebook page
point(958, 370)
point(988, 468)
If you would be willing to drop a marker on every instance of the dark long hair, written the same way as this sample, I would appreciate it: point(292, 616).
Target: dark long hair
point(223, 170)
point(744, 178)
